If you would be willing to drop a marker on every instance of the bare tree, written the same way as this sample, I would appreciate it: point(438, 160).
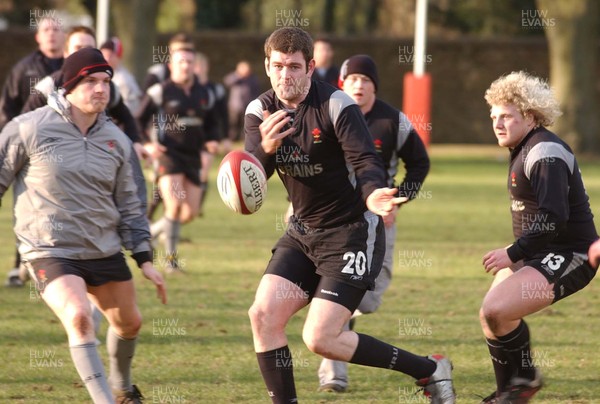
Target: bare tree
point(135, 23)
point(372, 21)
point(328, 16)
point(571, 28)
point(350, 17)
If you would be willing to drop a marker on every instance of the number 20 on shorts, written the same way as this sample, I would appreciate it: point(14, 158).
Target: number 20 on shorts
point(356, 263)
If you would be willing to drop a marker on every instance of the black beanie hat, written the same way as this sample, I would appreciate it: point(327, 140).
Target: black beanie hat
point(359, 64)
point(82, 63)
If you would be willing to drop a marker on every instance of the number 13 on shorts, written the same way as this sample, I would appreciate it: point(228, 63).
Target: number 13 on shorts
point(553, 261)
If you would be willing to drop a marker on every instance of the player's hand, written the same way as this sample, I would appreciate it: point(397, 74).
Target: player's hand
point(154, 150)
point(212, 146)
point(496, 260)
point(270, 130)
point(594, 253)
point(151, 273)
point(382, 201)
point(141, 151)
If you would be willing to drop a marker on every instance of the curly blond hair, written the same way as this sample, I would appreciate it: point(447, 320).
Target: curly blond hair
point(530, 94)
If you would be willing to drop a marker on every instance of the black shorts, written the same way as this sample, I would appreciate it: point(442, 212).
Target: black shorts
point(173, 162)
point(94, 272)
point(338, 264)
point(568, 271)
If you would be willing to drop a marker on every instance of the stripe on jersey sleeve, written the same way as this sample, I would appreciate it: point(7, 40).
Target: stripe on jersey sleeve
point(404, 128)
point(255, 108)
point(338, 101)
point(548, 151)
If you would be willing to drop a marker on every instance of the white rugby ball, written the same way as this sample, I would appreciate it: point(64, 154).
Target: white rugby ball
point(242, 182)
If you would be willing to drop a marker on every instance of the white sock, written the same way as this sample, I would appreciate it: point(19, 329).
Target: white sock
point(89, 366)
point(120, 355)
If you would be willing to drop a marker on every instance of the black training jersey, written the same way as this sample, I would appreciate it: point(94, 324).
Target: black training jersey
point(157, 73)
point(221, 113)
point(181, 122)
point(328, 165)
point(20, 83)
point(550, 209)
point(396, 139)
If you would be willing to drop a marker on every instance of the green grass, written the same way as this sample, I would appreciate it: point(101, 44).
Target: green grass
point(208, 356)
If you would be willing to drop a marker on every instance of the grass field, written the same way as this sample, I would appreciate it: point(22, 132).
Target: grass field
point(198, 348)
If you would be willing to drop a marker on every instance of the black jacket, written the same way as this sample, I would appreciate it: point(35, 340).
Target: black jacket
point(396, 140)
point(21, 81)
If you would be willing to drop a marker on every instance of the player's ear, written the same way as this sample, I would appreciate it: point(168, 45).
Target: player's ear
point(529, 117)
point(310, 68)
point(267, 66)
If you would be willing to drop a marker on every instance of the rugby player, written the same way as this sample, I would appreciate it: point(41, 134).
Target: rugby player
point(396, 142)
point(316, 138)
point(77, 205)
point(553, 228)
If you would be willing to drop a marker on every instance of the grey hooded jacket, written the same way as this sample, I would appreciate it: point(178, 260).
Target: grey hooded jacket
point(75, 195)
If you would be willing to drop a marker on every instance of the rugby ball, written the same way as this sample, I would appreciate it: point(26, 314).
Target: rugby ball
point(242, 182)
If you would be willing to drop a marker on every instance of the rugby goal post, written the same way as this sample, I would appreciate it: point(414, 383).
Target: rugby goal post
point(417, 84)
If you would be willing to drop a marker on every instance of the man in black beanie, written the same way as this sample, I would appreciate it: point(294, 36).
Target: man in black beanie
point(361, 65)
point(73, 167)
point(396, 142)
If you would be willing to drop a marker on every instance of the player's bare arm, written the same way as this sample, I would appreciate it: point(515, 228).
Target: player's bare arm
point(270, 130)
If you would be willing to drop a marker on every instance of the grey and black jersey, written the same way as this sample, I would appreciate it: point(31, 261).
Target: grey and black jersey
point(395, 139)
point(328, 165)
point(549, 205)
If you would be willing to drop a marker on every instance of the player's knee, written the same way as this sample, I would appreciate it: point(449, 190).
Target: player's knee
point(491, 316)
point(319, 347)
point(134, 326)
point(487, 331)
point(312, 343)
point(316, 342)
point(81, 323)
point(172, 210)
point(187, 215)
point(482, 319)
point(130, 328)
point(266, 321)
point(258, 316)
